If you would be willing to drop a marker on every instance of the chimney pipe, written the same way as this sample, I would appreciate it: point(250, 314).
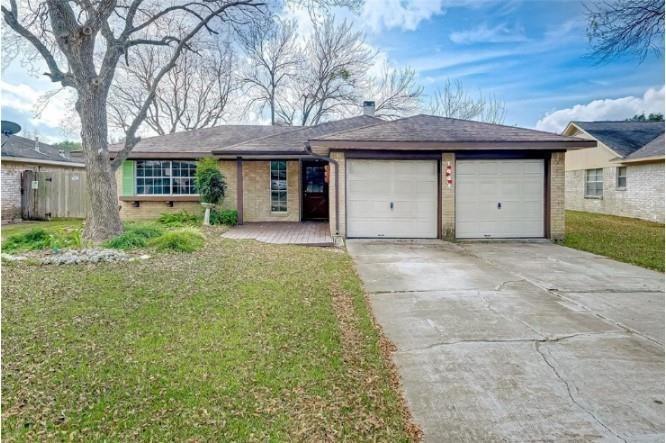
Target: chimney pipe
point(37, 144)
point(369, 108)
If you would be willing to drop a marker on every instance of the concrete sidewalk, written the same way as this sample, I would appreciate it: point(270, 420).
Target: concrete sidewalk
point(520, 341)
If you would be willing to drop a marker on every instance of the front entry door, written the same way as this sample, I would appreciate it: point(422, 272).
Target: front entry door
point(315, 190)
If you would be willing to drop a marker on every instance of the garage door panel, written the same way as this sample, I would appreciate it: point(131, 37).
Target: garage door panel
point(516, 184)
point(411, 185)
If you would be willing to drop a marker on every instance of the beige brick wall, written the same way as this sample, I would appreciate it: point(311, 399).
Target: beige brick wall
point(642, 198)
point(152, 210)
point(557, 196)
point(10, 184)
point(257, 194)
point(448, 198)
point(340, 158)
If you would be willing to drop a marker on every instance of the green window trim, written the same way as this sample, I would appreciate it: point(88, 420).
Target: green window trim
point(128, 181)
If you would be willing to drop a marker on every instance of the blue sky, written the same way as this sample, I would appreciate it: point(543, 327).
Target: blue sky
point(532, 54)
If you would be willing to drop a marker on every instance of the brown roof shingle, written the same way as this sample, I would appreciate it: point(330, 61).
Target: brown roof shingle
point(198, 142)
point(434, 129)
point(293, 141)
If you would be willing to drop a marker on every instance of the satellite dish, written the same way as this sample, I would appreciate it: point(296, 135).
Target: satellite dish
point(10, 128)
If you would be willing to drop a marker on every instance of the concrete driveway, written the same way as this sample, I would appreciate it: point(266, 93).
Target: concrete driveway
point(520, 341)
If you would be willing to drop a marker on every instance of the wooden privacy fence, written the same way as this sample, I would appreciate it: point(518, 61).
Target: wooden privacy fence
point(53, 194)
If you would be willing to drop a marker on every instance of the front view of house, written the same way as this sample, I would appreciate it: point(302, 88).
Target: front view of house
point(416, 177)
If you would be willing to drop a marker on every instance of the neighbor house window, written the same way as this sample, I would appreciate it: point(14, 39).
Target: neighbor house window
point(622, 177)
point(278, 186)
point(165, 177)
point(594, 183)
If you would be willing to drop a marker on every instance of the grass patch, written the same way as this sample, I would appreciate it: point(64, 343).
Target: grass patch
point(179, 219)
point(39, 238)
point(242, 341)
point(625, 239)
point(182, 240)
point(134, 236)
point(56, 225)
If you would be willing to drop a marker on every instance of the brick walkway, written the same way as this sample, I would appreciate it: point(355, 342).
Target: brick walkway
point(304, 233)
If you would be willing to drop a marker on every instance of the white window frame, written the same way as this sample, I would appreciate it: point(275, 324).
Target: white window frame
point(285, 190)
point(171, 177)
point(586, 182)
point(618, 176)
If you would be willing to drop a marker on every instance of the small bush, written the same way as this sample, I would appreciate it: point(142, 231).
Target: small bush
point(183, 240)
point(39, 238)
point(224, 217)
point(209, 181)
point(179, 219)
point(135, 236)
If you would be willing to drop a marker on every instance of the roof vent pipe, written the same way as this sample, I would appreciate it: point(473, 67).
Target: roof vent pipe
point(37, 144)
point(369, 108)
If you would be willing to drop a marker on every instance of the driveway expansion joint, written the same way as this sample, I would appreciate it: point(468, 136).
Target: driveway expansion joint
point(545, 339)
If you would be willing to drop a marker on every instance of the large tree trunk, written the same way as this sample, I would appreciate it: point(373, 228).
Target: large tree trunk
point(103, 220)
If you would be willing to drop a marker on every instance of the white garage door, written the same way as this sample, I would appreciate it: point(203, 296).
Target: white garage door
point(392, 198)
point(499, 198)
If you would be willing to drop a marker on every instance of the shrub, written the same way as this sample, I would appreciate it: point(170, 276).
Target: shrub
point(135, 236)
point(39, 238)
point(179, 219)
point(209, 181)
point(183, 240)
point(224, 217)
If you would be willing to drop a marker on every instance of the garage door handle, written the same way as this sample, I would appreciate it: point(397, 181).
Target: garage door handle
point(391, 205)
point(499, 205)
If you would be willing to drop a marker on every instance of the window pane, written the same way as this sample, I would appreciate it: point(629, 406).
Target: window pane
point(278, 185)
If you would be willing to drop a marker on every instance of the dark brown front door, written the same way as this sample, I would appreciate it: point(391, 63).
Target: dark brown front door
point(315, 190)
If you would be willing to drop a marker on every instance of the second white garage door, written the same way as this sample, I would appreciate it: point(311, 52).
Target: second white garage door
point(499, 198)
point(392, 198)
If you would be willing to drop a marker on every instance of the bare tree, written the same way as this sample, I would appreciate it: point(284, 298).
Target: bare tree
point(81, 43)
point(451, 100)
point(395, 91)
point(273, 60)
point(618, 26)
point(335, 62)
point(194, 94)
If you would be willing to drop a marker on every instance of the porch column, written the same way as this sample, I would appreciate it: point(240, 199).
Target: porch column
point(239, 189)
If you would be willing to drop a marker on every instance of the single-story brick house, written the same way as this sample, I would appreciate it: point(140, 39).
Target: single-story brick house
point(416, 177)
point(22, 154)
point(623, 175)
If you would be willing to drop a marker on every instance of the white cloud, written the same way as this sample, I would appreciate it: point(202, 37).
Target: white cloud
point(45, 108)
point(502, 33)
point(404, 14)
point(606, 109)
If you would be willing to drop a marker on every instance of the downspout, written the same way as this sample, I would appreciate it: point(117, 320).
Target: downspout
point(308, 149)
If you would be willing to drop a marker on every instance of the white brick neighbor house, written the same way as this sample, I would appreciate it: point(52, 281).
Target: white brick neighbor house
point(623, 175)
point(22, 154)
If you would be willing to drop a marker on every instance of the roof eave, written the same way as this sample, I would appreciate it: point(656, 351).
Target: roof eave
point(652, 158)
point(42, 161)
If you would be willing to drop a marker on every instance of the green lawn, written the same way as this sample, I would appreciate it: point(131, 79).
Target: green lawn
point(241, 341)
point(625, 239)
point(57, 224)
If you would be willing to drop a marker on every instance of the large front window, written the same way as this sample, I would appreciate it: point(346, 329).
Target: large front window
point(165, 177)
point(594, 183)
point(278, 186)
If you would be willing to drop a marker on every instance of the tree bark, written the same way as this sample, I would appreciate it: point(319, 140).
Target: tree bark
point(103, 219)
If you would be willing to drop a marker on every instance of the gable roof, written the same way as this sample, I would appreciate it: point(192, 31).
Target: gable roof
point(623, 137)
point(17, 147)
point(653, 149)
point(293, 141)
point(450, 131)
point(198, 142)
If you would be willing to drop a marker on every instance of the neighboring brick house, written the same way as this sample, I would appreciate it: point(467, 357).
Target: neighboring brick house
point(22, 154)
point(417, 177)
point(623, 175)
